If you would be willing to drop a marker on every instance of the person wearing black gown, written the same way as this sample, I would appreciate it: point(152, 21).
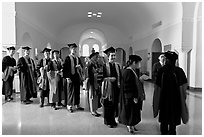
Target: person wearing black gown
point(93, 86)
point(169, 82)
point(110, 88)
point(44, 67)
point(72, 73)
point(132, 95)
point(157, 66)
point(27, 76)
point(9, 69)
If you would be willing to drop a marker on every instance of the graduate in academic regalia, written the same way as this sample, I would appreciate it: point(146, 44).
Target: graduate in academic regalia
point(55, 81)
point(110, 88)
point(170, 94)
point(9, 69)
point(157, 66)
point(72, 72)
point(93, 86)
point(43, 67)
point(27, 76)
point(132, 95)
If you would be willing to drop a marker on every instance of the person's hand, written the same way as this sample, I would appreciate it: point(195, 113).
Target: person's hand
point(69, 80)
point(135, 100)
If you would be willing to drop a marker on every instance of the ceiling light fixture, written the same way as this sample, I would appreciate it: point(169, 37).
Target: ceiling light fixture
point(97, 14)
point(89, 12)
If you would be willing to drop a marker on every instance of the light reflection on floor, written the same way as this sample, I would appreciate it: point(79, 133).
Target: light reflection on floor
point(30, 119)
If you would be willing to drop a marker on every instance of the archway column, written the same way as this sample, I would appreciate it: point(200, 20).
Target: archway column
point(183, 54)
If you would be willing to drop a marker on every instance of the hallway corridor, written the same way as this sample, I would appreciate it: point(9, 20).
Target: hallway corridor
point(20, 119)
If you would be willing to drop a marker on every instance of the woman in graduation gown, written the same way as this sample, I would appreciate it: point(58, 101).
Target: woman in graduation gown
point(9, 69)
point(132, 95)
point(27, 76)
point(55, 81)
point(93, 86)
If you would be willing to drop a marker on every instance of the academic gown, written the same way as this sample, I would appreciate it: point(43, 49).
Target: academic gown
point(72, 90)
point(130, 112)
point(56, 83)
point(169, 79)
point(93, 88)
point(27, 78)
point(44, 83)
point(8, 84)
point(110, 110)
point(155, 70)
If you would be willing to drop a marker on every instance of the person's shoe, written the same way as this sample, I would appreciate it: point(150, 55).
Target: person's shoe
point(26, 102)
point(70, 110)
point(130, 129)
point(11, 98)
point(80, 108)
point(41, 105)
point(134, 128)
point(30, 101)
point(96, 114)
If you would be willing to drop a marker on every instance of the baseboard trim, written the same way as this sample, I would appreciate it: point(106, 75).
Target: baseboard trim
point(195, 89)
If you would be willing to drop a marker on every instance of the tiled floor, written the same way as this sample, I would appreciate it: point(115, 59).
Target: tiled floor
point(19, 119)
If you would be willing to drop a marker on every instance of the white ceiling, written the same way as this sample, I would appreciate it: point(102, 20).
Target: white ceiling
point(129, 17)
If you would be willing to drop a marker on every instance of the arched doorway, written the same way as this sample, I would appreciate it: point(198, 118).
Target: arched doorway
point(156, 51)
point(91, 37)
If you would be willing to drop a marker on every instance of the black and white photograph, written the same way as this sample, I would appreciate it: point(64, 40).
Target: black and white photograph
point(101, 67)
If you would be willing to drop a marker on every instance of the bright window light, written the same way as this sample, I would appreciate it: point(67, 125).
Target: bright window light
point(85, 50)
point(96, 47)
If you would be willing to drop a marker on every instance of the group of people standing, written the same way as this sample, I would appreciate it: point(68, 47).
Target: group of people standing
point(119, 91)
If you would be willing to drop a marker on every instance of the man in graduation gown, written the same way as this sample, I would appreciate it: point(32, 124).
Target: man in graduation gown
point(111, 88)
point(55, 81)
point(167, 100)
point(157, 66)
point(9, 69)
point(43, 67)
point(72, 72)
point(93, 86)
point(27, 76)
point(132, 95)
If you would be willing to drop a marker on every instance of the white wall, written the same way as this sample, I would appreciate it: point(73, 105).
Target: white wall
point(198, 74)
point(73, 33)
point(38, 39)
point(169, 35)
point(8, 23)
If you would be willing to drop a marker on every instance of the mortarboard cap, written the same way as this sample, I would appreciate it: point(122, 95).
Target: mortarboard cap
point(11, 48)
point(46, 50)
point(26, 48)
point(171, 55)
point(93, 54)
point(161, 55)
point(109, 50)
point(135, 58)
point(72, 45)
point(57, 51)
